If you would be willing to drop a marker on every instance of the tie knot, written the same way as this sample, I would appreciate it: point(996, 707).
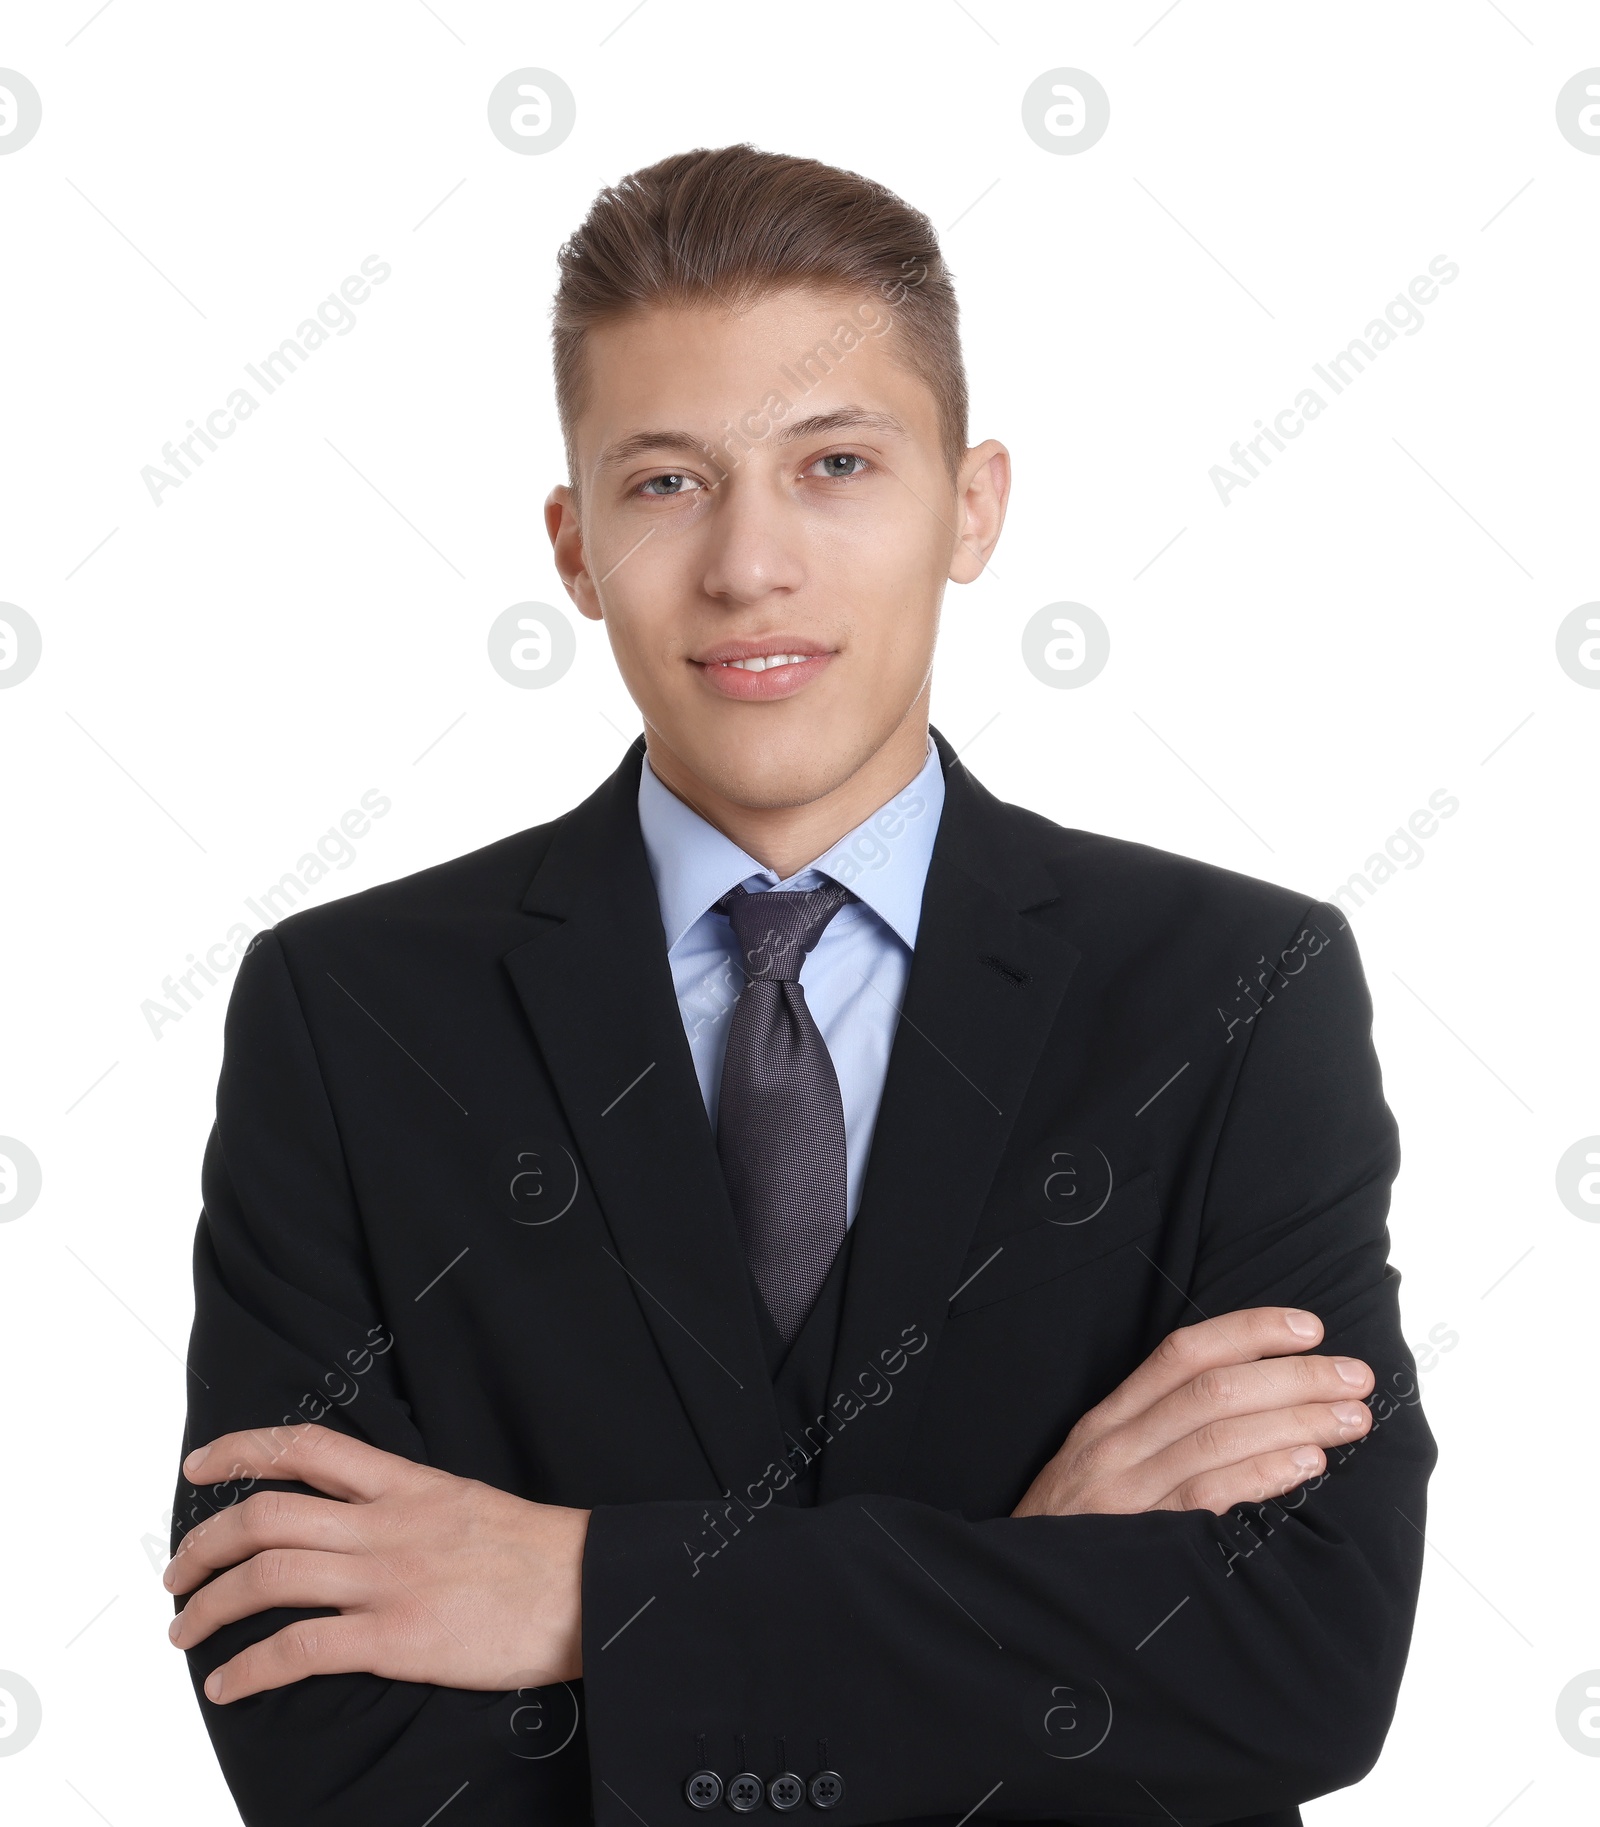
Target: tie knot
point(777, 927)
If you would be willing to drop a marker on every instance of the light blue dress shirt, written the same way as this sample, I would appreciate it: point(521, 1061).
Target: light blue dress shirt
point(855, 976)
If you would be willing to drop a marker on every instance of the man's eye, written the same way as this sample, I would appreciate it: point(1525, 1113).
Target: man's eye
point(673, 483)
point(830, 465)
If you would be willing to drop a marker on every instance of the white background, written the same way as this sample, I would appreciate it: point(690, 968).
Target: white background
point(305, 618)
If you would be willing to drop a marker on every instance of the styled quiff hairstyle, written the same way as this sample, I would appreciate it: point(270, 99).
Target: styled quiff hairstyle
point(730, 226)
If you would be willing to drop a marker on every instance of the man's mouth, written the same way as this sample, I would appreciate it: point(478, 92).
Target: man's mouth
point(746, 671)
point(764, 662)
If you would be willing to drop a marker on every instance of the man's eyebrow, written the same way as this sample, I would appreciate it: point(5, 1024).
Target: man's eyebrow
point(819, 424)
point(641, 443)
point(842, 418)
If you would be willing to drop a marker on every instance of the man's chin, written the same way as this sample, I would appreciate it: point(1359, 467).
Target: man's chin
point(778, 787)
point(776, 757)
point(769, 776)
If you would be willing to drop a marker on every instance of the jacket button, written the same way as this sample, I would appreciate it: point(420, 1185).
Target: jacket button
point(786, 1792)
point(827, 1789)
point(745, 1792)
point(703, 1789)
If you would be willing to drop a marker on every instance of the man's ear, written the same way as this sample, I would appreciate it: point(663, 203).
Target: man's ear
point(983, 486)
point(566, 542)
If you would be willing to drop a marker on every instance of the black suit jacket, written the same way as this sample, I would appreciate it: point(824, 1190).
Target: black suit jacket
point(462, 1200)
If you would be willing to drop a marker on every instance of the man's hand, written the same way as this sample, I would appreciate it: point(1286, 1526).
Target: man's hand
point(436, 1578)
point(1218, 1414)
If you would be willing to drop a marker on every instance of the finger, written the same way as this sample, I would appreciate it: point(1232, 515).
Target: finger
point(1238, 1439)
point(319, 1456)
point(1255, 1480)
point(291, 1578)
point(311, 1646)
point(1286, 1387)
point(1229, 1390)
point(1241, 1337)
point(269, 1519)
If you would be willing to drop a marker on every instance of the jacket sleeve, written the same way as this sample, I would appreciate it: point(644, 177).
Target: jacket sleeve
point(287, 1330)
point(1116, 1667)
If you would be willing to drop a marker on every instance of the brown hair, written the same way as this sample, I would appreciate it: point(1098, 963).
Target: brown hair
point(734, 224)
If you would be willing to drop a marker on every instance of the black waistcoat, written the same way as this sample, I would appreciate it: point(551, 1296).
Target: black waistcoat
point(801, 1371)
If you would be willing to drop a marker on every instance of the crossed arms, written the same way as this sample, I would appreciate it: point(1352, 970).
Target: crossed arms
point(447, 1580)
point(443, 1600)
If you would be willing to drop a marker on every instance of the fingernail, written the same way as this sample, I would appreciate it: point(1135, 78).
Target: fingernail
point(1350, 1413)
point(192, 1463)
point(1304, 1325)
point(1351, 1369)
point(213, 1682)
point(169, 1579)
point(173, 1628)
point(1305, 1459)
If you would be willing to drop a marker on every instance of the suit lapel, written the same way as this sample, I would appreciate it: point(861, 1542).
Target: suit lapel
point(597, 988)
point(986, 985)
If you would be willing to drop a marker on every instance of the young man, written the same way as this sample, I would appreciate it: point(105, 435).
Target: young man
point(881, 1287)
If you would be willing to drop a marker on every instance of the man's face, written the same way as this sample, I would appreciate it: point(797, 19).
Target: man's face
point(767, 526)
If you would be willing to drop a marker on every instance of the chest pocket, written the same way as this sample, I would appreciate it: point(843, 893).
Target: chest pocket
point(995, 1270)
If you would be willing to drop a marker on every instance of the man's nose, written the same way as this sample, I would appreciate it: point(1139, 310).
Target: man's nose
point(754, 542)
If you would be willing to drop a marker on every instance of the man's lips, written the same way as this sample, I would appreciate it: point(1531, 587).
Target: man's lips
point(757, 670)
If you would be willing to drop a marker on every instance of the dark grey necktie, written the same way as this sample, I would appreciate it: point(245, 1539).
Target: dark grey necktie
point(780, 1119)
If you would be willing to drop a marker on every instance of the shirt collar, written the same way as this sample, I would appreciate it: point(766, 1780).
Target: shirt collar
point(883, 861)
